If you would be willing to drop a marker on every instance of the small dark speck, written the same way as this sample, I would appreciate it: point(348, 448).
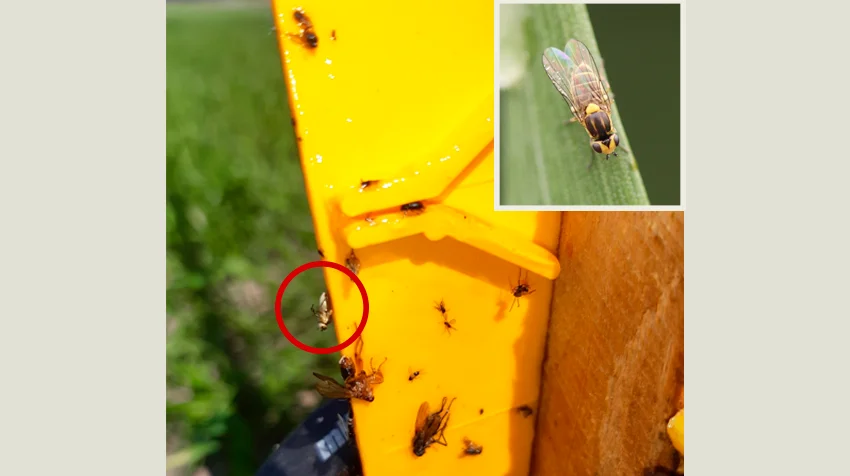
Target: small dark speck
point(481, 411)
point(299, 139)
point(525, 410)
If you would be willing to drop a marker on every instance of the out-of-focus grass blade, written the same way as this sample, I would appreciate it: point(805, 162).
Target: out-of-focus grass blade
point(190, 456)
point(542, 160)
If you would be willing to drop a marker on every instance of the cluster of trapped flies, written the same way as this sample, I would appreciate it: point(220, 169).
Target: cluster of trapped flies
point(574, 74)
point(358, 383)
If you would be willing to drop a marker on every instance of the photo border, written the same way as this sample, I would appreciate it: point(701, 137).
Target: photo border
point(497, 118)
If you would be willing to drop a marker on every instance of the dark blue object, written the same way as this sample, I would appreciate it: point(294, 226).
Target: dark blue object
point(319, 446)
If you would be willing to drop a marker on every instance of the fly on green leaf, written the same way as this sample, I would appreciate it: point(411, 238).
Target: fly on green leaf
point(575, 75)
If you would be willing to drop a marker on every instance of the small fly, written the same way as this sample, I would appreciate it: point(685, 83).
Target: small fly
point(429, 427)
point(525, 411)
point(414, 208)
point(449, 324)
point(356, 384)
point(353, 263)
point(470, 448)
point(521, 289)
point(307, 36)
point(324, 313)
point(575, 75)
point(364, 184)
point(412, 375)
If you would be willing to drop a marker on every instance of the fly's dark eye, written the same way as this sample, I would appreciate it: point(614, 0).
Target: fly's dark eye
point(616, 139)
point(596, 146)
point(312, 39)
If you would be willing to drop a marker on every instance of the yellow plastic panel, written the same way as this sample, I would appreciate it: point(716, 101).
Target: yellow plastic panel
point(404, 96)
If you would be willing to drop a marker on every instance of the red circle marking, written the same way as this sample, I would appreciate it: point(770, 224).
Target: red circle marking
point(279, 314)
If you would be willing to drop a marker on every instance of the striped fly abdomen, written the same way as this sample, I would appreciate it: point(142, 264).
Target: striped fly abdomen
point(598, 123)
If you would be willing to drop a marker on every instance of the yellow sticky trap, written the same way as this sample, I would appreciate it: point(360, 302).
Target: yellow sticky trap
point(676, 431)
point(402, 93)
point(435, 169)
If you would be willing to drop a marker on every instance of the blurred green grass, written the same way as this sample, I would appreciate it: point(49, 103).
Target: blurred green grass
point(237, 222)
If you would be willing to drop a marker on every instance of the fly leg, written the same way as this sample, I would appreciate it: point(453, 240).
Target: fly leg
point(442, 432)
point(442, 405)
point(376, 377)
point(358, 355)
point(445, 424)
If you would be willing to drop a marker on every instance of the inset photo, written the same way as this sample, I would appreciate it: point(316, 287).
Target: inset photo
point(589, 107)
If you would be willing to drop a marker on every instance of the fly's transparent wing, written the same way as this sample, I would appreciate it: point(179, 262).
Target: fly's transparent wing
point(330, 388)
point(559, 66)
point(421, 417)
point(585, 81)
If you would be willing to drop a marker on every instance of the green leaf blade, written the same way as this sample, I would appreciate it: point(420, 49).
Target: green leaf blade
point(543, 161)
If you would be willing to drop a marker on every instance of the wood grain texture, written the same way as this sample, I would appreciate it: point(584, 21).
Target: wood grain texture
point(614, 362)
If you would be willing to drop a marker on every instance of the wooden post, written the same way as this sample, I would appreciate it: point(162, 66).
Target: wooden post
point(614, 362)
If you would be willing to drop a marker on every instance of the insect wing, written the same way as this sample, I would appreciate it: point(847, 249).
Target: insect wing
point(421, 417)
point(585, 79)
point(559, 67)
point(330, 388)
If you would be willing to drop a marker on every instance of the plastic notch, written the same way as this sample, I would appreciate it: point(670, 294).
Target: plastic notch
point(439, 221)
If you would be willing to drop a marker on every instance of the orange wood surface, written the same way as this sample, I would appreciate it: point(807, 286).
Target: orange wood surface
point(614, 365)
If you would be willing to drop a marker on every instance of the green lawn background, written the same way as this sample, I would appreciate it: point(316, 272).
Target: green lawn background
point(237, 222)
